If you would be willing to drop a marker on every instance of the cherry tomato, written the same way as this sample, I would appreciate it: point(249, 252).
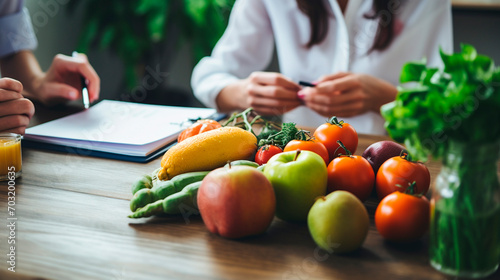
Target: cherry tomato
point(402, 217)
point(198, 127)
point(332, 131)
point(266, 152)
point(397, 173)
point(308, 145)
point(351, 173)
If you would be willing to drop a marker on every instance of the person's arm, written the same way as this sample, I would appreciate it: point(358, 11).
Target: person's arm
point(230, 80)
point(348, 94)
point(59, 84)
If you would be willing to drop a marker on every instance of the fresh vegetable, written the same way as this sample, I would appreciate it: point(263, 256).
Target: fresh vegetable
point(377, 153)
point(459, 102)
point(164, 189)
point(198, 127)
point(266, 152)
point(287, 133)
point(397, 173)
point(308, 145)
point(207, 151)
point(261, 168)
point(154, 176)
point(450, 113)
point(334, 130)
point(242, 162)
point(177, 203)
point(402, 217)
point(144, 182)
point(351, 173)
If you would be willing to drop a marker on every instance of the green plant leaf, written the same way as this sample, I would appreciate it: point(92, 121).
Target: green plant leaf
point(412, 72)
point(107, 37)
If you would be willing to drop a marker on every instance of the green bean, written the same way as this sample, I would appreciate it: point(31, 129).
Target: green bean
point(144, 182)
point(141, 198)
point(242, 162)
point(165, 188)
point(173, 205)
point(176, 184)
point(154, 176)
point(261, 167)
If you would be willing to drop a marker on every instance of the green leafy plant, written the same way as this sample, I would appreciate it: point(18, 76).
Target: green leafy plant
point(460, 102)
point(452, 114)
point(136, 29)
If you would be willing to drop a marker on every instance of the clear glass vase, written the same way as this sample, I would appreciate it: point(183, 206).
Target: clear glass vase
point(465, 212)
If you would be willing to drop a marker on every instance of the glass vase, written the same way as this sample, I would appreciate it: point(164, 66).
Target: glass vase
point(465, 212)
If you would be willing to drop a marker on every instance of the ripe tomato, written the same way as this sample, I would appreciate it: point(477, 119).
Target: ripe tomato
point(266, 152)
point(308, 145)
point(402, 217)
point(332, 131)
point(399, 171)
point(351, 173)
point(198, 127)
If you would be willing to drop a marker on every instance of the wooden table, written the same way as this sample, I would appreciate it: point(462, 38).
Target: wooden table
point(72, 224)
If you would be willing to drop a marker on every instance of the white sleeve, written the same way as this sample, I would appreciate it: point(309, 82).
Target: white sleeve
point(431, 24)
point(442, 35)
point(246, 46)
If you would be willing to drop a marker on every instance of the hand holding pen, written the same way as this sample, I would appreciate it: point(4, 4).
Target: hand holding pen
point(85, 92)
point(62, 82)
point(346, 94)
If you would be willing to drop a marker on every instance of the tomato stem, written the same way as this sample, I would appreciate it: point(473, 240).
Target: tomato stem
point(405, 155)
point(303, 135)
point(411, 189)
point(334, 121)
point(244, 116)
point(341, 145)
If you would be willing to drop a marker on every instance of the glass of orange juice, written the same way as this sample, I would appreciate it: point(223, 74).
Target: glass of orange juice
point(10, 156)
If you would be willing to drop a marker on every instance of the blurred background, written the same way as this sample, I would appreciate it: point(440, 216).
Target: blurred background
point(145, 50)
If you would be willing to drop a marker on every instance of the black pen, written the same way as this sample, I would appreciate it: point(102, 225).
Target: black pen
point(85, 91)
point(306, 84)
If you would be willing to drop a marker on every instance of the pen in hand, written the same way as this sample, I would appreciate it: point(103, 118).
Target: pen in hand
point(306, 84)
point(85, 92)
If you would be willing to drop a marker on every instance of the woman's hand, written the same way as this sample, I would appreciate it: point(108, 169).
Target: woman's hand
point(266, 92)
point(62, 81)
point(15, 111)
point(347, 94)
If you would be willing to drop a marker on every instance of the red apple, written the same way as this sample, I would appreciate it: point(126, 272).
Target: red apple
point(378, 152)
point(236, 201)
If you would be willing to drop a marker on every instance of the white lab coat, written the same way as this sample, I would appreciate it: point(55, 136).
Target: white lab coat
point(256, 27)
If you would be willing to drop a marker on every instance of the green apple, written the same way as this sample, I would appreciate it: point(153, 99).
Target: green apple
point(298, 178)
point(338, 222)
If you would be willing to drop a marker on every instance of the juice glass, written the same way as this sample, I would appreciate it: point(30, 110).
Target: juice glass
point(10, 156)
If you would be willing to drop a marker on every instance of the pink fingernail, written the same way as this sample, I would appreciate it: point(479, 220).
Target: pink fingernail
point(301, 94)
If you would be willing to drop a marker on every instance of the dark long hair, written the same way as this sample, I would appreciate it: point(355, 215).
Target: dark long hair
point(317, 13)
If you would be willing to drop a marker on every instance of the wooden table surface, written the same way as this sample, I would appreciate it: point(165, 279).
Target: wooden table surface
point(72, 223)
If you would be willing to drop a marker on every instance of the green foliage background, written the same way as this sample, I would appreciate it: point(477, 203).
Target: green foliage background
point(458, 103)
point(130, 28)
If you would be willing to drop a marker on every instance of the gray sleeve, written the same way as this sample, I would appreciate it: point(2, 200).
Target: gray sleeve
point(16, 33)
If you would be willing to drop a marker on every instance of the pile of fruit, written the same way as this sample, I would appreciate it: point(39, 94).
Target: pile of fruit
point(239, 180)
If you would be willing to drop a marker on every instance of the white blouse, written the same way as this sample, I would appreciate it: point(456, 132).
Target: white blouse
point(256, 27)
